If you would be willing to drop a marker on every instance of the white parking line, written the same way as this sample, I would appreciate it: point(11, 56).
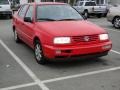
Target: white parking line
point(42, 83)
point(80, 75)
point(21, 63)
point(115, 52)
point(84, 74)
point(19, 86)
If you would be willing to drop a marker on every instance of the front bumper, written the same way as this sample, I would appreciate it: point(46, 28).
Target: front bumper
point(54, 52)
point(110, 17)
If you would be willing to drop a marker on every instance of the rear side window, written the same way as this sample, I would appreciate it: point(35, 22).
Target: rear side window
point(90, 4)
point(22, 11)
point(30, 12)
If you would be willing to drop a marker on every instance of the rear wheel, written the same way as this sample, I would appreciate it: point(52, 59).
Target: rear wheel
point(116, 22)
point(39, 56)
point(9, 16)
point(105, 14)
point(16, 38)
point(99, 15)
point(86, 14)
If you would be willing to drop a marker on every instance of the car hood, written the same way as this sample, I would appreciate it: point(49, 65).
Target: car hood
point(70, 28)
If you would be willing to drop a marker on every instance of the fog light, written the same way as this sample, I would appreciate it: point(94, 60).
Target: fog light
point(106, 47)
point(58, 51)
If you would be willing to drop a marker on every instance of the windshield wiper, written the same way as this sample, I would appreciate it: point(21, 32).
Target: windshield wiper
point(46, 19)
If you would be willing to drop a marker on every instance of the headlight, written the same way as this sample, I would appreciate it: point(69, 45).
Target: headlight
point(62, 40)
point(103, 37)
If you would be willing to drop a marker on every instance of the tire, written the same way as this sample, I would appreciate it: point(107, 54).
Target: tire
point(86, 14)
point(105, 14)
point(116, 22)
point(99, 15)
point(39, 56)
point(16, 38)
point(9, 16)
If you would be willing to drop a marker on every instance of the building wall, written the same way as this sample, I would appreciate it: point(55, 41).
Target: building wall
point(115, 1)
point(108, 1)
point(97, 1)
point(23, 1)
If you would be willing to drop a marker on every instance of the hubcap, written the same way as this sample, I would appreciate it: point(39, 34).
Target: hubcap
point(117, 22)
point(38, 52)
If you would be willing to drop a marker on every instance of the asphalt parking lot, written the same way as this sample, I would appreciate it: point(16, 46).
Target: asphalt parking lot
point(19, 70)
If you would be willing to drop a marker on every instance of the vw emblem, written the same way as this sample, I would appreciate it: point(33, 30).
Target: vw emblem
point(86, 38)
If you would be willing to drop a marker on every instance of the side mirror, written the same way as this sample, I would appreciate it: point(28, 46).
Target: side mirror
point(28, 19)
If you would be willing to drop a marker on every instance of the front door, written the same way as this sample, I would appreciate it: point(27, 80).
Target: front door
point(29, 26)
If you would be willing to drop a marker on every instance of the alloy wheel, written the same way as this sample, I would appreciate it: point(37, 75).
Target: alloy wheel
point(39, 53)
point(117, 22)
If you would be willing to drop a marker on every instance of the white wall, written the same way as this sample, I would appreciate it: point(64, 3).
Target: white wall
point(115, 1)
point(23, 1)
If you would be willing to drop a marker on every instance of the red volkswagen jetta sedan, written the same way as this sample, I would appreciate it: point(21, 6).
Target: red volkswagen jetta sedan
point(57, 31)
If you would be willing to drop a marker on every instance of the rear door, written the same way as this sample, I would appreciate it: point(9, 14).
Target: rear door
point(19, 21)
point(89, 6)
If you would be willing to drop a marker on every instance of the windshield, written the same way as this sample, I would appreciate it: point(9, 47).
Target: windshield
point(57, 13)
point(4, 2)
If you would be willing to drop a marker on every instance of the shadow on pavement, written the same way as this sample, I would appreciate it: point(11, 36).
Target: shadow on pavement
point(81, 63)
point(4, 18)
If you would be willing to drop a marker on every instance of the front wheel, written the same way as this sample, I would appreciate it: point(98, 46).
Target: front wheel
point(39, 56)
point(116, 22)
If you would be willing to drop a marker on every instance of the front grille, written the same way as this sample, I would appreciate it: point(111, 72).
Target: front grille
point(85, 39)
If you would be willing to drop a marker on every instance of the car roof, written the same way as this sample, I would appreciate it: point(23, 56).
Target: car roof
point(47, 3)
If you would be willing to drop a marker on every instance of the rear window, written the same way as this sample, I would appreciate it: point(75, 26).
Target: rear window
point(90, 4)
point(4, 2)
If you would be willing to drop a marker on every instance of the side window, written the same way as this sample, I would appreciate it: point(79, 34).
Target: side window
point(90, 4)
point(30, 12)
point(22, 11)
point(87, 4)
